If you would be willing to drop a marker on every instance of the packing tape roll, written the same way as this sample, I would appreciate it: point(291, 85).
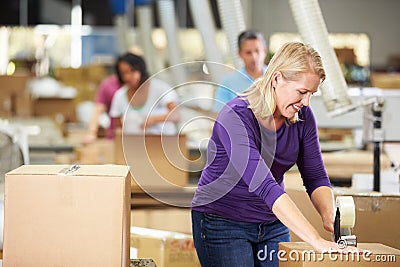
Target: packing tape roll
point(347, 211)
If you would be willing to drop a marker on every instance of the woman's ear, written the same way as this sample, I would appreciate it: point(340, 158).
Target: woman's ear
point(276, 78)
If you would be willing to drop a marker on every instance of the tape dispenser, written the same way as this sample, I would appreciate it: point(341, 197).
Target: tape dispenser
point(344, 222)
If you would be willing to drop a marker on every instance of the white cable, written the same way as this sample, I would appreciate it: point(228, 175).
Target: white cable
point(204, 21)
point(121, 28)
point(166, 9)
point(201, 12)
point(312, 28)
point(145, 28)
point(233, 23)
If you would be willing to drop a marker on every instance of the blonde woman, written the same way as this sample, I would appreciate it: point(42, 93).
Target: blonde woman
point(240, 211)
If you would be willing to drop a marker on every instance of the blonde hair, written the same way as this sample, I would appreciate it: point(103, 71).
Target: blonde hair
point(292, 59)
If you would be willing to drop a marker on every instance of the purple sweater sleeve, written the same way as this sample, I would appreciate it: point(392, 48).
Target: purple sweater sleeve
point(237, 135)
point(309, 161)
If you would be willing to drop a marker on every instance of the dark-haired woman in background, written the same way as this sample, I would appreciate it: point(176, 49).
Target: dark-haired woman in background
point(143, 105)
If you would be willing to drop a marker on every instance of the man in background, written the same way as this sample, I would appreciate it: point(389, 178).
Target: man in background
point(252, 50)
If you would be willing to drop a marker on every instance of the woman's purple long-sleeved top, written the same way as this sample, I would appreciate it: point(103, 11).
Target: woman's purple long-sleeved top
point(246, 162)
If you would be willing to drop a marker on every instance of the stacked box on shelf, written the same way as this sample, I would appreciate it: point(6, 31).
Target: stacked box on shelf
point(15, 99)
point(167, 249)
point(85, 79)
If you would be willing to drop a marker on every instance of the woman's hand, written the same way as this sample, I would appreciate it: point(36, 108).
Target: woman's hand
point(325, 246)
point(328, 221)
point(322, 199)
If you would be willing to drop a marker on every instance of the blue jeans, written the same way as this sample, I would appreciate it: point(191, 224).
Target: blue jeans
point(222, 242)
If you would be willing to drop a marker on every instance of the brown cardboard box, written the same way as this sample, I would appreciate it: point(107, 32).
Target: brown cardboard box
point(13, 84)
point(300, 254)
point(167, 219)
point(305, 205)
point(344, 164)
point(23, 104)
point(345, 56)
point(99, 152)
point(56, 218)
point(157, 162)
point(139, 218)
point(377, 218)
point(5, 105)
point(14, 88)
point(385, 80)
point(55, 107)
point(167, 249)
point(172, 219)
point(373, 211)
point(75, 135)
point(85, 79)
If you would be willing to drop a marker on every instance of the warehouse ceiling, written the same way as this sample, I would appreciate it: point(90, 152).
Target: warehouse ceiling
point(95, 12)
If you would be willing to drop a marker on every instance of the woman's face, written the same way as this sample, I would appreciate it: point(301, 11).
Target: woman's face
point(291, 96)
point(130, 76)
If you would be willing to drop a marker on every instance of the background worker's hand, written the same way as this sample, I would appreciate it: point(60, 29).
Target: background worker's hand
point(89, 138)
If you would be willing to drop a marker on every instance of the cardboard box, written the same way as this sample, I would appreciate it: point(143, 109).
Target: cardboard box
point(385, 80)
point(13, 84)
point(167, 219)
point(157, 162)
point(5, 105)
point(75, 134)
point(140, 218)
point(345, 56)
point(99, 152)
point(344, 164)
point(300, 254)
point(55, 107)
point(23, 105)
point(372, 212)
point(54, 217)
point(14, 88)
point(377, 218)
point(85, 79)
point(305, 205)
point(167, 249)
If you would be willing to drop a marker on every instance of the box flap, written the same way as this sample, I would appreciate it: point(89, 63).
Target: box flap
point(81, 170)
